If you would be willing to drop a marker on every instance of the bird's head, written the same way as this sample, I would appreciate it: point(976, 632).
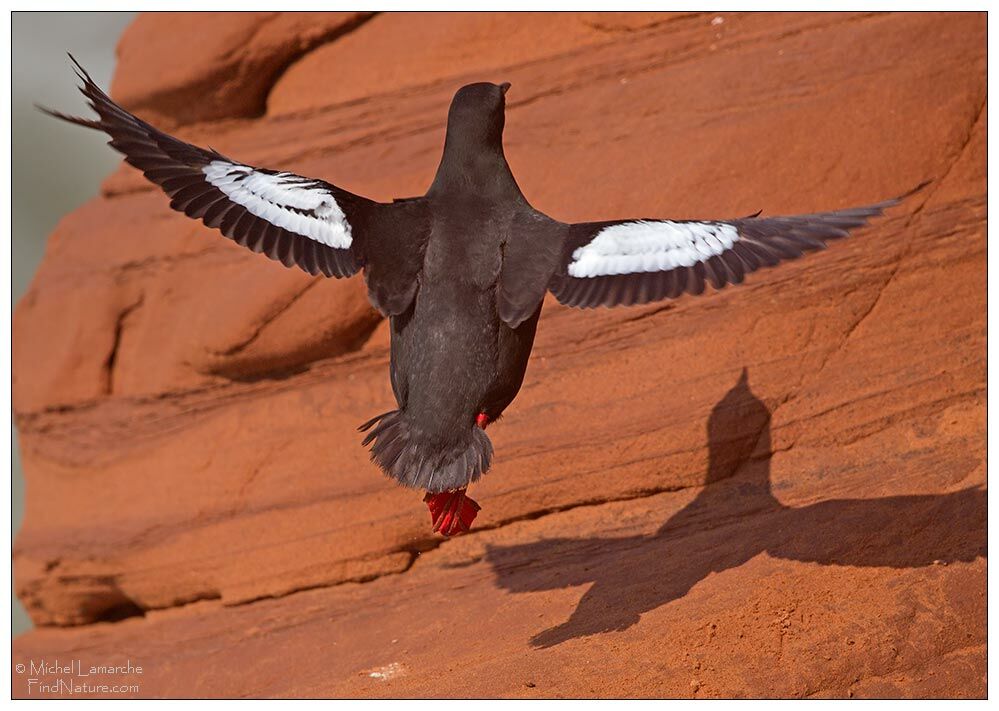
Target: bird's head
point(476, 116)
point(473, 160)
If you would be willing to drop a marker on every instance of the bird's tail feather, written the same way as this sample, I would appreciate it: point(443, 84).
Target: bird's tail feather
point(418, 462)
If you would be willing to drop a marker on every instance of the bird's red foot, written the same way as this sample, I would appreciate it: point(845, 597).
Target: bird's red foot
point(482, 420)
point(452, 512)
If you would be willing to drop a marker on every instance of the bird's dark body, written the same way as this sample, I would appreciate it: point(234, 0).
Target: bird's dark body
point(461, 272)
point(452, 357)
point(461, 347)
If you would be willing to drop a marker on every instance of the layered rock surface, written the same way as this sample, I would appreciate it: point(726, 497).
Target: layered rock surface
point(776, 489)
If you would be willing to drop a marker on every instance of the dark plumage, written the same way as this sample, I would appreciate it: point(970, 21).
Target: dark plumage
point(461, 272)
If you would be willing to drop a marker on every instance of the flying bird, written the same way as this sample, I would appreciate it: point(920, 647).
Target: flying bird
point(460, 272)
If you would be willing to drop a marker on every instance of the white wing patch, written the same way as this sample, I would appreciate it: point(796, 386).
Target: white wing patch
point(650, 246)
point(297, 204)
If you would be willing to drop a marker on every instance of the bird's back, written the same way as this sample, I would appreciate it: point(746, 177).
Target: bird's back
point(445, 348)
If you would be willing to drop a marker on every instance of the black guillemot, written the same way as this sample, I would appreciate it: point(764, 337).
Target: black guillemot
point(460, 272)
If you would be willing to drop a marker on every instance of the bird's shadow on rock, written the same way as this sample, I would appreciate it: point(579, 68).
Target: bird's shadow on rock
point(734, 518)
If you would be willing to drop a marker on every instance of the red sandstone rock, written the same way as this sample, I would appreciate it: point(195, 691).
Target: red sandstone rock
point(217, 65)
point(187, 410)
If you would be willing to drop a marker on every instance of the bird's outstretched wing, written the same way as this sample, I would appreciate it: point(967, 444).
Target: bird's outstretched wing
point(620, 263)
point(294, 220)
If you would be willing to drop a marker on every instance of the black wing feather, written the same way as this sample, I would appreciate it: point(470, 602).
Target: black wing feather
point(762, 242)
point(177, 168)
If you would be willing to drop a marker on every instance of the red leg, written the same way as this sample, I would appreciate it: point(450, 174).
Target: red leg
point(452, 512)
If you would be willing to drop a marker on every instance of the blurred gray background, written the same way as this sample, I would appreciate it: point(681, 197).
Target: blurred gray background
point(55, 168)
